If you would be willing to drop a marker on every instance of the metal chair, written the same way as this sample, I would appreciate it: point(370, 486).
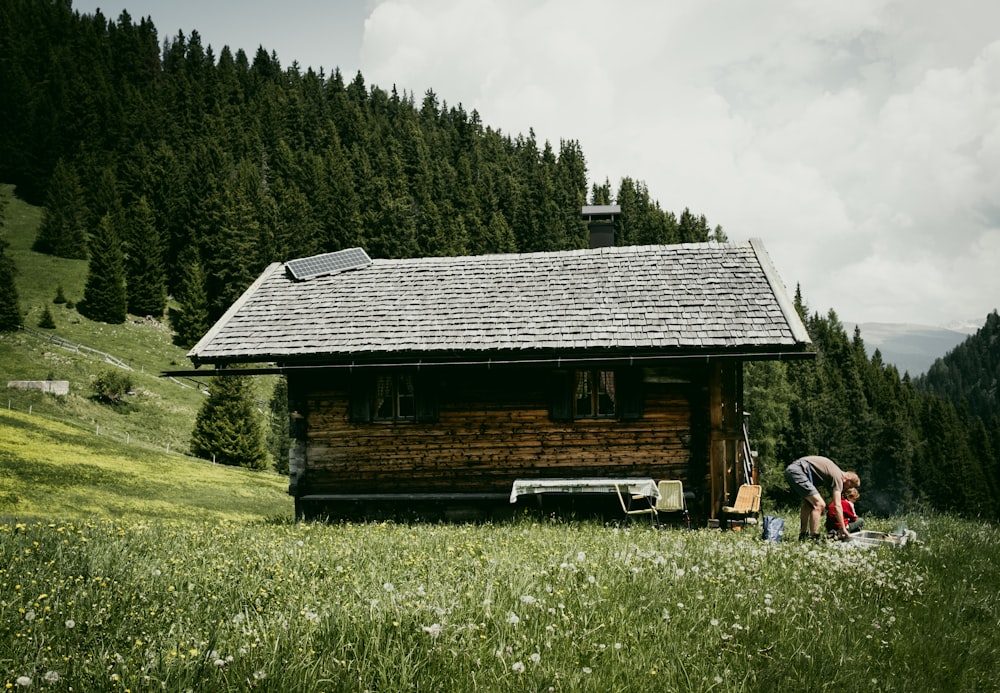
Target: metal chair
point(631, 512)
point(673, 500)
point(747, 504)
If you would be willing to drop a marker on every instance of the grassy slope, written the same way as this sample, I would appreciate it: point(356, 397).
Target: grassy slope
point(53, 462)
point(51, 470)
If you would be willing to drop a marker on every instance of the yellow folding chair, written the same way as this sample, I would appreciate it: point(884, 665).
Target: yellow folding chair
point(672, 500)
point(631, 512)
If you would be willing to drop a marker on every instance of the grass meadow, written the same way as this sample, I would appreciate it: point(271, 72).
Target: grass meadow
point(152, 603)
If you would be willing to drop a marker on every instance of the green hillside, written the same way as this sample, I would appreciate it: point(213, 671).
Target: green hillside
point(159, 413)
point(51, 470)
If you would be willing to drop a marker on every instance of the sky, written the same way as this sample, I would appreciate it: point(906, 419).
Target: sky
point(858, 139)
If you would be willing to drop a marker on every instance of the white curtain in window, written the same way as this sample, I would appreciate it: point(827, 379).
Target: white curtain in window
point(608, 383)
point(383, 390)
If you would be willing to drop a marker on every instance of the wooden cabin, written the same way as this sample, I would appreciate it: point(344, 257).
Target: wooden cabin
point(442, 380)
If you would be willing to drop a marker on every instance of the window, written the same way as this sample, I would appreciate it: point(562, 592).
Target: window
point(594, 395)
point(394, 399)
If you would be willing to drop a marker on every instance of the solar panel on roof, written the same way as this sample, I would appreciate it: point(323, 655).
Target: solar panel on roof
point(327, 263)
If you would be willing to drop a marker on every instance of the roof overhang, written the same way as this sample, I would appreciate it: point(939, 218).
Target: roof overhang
point(418, 361)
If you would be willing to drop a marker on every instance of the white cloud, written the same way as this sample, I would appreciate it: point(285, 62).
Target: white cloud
point(860, 140)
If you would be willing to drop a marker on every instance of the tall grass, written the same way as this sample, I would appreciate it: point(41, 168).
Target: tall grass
point(176, 605)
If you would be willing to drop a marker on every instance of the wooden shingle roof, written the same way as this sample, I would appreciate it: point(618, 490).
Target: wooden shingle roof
point(699, 299)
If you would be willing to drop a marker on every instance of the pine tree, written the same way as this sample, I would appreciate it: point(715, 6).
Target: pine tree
point(147, 283)
point(104, 296)
point(63, 230)
point(190, 322)
point(46, 322)
point(279, 440)
point(228, 428)
point(10, 311)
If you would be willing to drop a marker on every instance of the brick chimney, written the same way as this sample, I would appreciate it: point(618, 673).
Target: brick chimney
point(601, 222)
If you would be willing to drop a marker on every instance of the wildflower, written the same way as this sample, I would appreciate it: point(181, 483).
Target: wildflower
point(517, 667)
point(588, 670)
point(24, 681)
point(70, 623)
point(714, 622)
point(220, 663)
point(259, 675)
point(581, 556)
point(51, 676)
point(527, 599)
point(535, 657)
point(388, 587)
point(513, 618)
point(433, 630)
point(30, 616)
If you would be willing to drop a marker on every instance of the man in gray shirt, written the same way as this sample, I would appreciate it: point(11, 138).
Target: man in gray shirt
point(804, 476)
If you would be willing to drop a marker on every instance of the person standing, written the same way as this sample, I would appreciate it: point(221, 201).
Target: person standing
point(805, 476)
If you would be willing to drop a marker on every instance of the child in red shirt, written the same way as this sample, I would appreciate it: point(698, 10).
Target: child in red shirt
point(854, 523)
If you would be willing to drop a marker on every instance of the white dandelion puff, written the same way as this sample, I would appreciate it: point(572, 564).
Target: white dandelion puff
point(433, 630)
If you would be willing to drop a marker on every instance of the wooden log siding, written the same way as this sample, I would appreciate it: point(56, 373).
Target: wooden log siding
point(492, 429)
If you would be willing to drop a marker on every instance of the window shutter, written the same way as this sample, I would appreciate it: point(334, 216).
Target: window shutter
point(426, 391)
point(359, 408)
point(561, 405)
point(628, 383)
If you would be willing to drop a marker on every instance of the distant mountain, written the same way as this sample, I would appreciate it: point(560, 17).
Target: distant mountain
point(911, 348)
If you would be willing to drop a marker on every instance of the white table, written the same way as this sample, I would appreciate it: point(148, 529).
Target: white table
point(635, 486)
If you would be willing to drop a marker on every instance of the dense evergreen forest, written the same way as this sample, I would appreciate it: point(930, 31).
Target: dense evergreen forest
point(178, 172)
point(210, 167)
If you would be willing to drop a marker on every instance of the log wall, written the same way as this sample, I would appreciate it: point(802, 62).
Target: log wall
point(493, 427)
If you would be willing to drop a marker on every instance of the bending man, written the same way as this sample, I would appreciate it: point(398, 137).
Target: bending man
point(804, 476)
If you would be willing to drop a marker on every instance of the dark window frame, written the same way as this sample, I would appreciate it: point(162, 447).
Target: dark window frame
point(628, 395)
point(594, 394)
point(367, 398)
point(394, 398)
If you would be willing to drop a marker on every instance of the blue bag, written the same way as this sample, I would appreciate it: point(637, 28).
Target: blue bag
point(774, 527)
